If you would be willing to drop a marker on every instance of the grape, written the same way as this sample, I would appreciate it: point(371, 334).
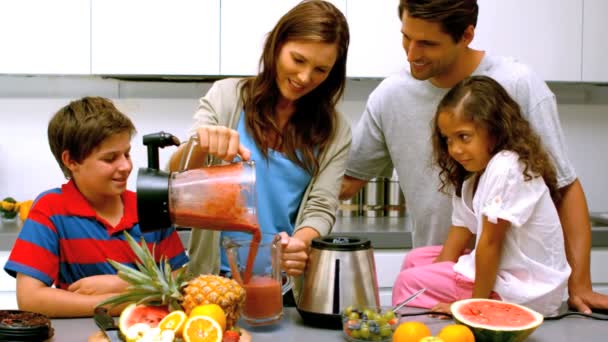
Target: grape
point(364, 331)
point(389, 315)
point(385, 330)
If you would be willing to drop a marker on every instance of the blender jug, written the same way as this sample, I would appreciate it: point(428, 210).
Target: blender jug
point(218, 197)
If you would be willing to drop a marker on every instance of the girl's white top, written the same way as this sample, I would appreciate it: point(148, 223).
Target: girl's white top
point(533, 269)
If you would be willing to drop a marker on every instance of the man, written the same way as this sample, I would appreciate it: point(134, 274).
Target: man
point(394, 131)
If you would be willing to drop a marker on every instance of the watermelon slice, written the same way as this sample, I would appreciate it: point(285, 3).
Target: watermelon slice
point(139, 316)
point(493, 320)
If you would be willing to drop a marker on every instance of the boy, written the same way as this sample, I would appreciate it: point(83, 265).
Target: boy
point(72, 231)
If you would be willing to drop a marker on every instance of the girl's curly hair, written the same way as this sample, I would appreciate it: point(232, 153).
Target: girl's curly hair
point(485, 102)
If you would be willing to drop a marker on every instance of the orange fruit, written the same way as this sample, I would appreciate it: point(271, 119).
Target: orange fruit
point(202, 329)
point(456, 333)
point(213, 311)
point(174, 321)
point(411, 332)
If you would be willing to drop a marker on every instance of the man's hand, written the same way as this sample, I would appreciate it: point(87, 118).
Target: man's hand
point(99, 284)
point(294, 254)
point(584, 300)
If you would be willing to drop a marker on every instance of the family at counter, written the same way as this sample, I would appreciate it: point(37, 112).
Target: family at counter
point(494, 202)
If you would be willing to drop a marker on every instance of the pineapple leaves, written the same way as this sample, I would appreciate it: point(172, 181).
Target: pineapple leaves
point(149, 282)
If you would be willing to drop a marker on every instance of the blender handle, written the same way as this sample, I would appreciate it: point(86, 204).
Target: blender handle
point(187, 155)
point(186, 158)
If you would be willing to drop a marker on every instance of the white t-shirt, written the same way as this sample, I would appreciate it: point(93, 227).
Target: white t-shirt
point(533, 269)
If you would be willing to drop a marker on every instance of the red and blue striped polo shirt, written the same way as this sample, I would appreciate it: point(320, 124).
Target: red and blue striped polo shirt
point(64, 240)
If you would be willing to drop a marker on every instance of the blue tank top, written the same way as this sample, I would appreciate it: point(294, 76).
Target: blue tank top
point(280, 186)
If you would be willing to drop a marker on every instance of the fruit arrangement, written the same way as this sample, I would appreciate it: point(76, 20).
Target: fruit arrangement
point(157, 293)
point(368, 324)
point(147, 323)
point(9, 208)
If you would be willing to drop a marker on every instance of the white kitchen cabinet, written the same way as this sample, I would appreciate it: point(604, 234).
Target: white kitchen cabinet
point(595, 42)
point(244, 26)
point(45, 37)
point(544, 34)
point(155, 37)
point(375, 39)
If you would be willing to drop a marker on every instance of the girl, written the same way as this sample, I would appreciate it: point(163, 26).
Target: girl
point(504, 195)
point(285, 119)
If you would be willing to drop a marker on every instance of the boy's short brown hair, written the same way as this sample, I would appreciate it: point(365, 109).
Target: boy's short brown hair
point(83, 125)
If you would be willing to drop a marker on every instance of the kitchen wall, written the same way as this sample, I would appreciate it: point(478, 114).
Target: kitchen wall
point(27, 103)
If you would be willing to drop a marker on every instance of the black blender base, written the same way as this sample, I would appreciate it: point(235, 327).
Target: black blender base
point(326, 321)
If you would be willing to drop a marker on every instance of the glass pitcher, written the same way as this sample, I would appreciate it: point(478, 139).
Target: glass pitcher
point(266, 284)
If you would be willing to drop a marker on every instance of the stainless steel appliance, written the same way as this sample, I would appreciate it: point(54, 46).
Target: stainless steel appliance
point(373, 198)
point(395, 201)
point(341, 272)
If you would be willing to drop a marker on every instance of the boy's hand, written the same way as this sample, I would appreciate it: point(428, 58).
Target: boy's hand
point(99, 284)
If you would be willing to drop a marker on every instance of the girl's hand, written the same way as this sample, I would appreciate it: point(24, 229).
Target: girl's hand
point(442, 307)
point(99, 284)
point(221, 142)
point(294, 254)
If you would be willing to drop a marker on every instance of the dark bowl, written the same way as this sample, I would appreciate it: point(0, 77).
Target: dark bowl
point(17, 325)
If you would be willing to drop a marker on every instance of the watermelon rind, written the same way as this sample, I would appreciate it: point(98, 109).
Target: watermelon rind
point(485, 332)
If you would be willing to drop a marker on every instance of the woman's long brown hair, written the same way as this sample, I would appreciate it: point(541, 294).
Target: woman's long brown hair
point(310, 129)
point(485, 102)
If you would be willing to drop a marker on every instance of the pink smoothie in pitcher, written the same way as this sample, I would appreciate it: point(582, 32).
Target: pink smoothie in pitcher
point(264, 298)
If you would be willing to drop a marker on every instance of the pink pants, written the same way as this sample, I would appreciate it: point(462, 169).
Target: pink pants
point(442, 283)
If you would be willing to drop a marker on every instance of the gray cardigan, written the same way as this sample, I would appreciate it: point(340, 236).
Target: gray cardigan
point(222, 106)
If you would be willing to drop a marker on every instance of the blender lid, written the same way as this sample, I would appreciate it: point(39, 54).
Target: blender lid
point(341, 243)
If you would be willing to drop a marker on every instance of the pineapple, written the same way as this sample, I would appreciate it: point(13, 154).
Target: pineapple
point(156, 285)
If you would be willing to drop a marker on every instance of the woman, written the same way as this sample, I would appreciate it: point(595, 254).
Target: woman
point(285, 119)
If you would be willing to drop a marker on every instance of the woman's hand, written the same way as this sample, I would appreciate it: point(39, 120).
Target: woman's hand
point(221, 142)
point(99, 284)
point(294, 254)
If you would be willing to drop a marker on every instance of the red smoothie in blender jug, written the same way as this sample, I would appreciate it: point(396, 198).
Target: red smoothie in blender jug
point(218, 197)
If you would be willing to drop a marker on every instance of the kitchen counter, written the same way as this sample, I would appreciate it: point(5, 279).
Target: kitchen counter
point(384, 232)
point(291, 328)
